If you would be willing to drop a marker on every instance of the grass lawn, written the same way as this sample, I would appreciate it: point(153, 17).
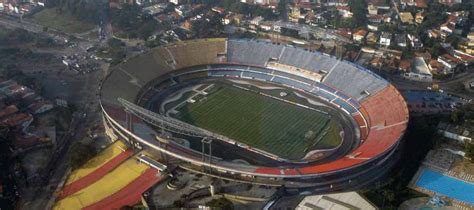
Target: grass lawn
point(49, 17)
point(261, 122)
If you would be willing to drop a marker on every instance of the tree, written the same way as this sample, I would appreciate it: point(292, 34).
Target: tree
point(359, 10)
point(80, 153)
point(469, 150)
point(221, 203)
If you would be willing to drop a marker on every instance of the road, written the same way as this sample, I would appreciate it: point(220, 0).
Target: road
point(78, 89)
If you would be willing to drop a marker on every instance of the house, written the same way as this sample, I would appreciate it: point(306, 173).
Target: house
point(359, 35)
point(218, 10)
point(371, 38)
point(406, 17)
point(256, 21)
point(23, 120)
point(385, 39)
point(401, 40)
point(420, 17)
point(465, 58)
point(8, 111)
point(14, 90)
point(232, 18)
point(448, 27)
point(372, 9)
point(375, 18)
point(421, 4)
point(449, 62)
point(336, 3)
point(295, 14)
point(187, 24)
point(344, 11)
point(404, 65)
point(373, 27)
point(407, 2)
point(434, 34)
point(266, 26)
point(39, 107)
point(449, 2)
point(415, 42)
point(376, 61)
point(436, 67)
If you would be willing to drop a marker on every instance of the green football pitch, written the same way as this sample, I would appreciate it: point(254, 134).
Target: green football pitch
point(271, 125)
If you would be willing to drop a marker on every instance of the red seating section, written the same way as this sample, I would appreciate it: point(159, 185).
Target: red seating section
point(130, 194)
point(95, 175)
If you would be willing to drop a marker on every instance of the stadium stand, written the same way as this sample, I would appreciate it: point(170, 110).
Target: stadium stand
point(353, 81)
point(305, 59)
point(109, 184)
point(292, 76)
point(252, 52)
point(344, 105)
point(191, 53)
point(127, 89)
point(323, 94)
point(386, 108)
point(130, 194)
point(96, 168)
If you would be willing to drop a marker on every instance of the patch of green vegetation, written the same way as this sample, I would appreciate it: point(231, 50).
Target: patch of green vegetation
point(261, 122)
point(62, 21)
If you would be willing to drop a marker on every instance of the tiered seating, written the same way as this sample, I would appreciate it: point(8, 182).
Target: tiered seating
point(292, 76)
point(108, 185)
point(119, 85)
point(388, 118)
point(191, 53)
point(306, 60)
point(252, 52)
point(344, 105)
point(269, 71)
point(189, 76)
point(353, 81)
point(362, 125)
point(386, 108)
point(130, 194)
point(323, 94)
point(145, 67)
point(96, 168)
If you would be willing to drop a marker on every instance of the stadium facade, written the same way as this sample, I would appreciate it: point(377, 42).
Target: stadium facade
point(377, 110)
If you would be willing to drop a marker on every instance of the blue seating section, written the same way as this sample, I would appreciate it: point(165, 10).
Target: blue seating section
point(295, 77)
point(345, 105)
point(257, 75)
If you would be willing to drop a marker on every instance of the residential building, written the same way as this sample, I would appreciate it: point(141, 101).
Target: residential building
point(359, 35)
point(344, 11)
point(385, 39)
point(420, 17)
point(39, 107)
point(406, 17)
point(449, 62)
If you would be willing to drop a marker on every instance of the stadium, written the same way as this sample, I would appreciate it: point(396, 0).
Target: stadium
point(256, 111)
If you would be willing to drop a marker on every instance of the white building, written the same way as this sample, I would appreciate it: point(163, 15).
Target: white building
point(385, 39)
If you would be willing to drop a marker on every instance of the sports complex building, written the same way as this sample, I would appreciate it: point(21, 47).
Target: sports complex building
point(257, 111)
